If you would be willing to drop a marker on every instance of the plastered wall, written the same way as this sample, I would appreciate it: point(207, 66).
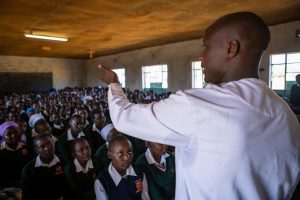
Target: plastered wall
point(65, 72)
point(178, 57)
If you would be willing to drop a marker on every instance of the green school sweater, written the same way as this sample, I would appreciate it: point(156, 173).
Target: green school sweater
point(101, 155)
point(47, 183)
point(82, 184)
point(161, 185)
point(11, 165)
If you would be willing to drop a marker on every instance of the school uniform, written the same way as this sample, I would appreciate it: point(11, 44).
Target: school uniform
point(64, 142)
point(12, 161)
point(110, 185)
point(58, 129)
point(101, 155)
point(96, 135)
point(81, 180)
point(44, 181)
point(160, 176)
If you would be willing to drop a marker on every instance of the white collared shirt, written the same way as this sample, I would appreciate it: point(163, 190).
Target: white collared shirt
point(5, 146)
point(151, 160)
point(237, 140)
point(96, 129)
point(40, 163)
point(58, 126)
point(116, 177)
point(70, 136)
point(85, 170)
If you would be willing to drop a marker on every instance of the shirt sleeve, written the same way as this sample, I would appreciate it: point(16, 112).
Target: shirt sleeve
point(100, 191)
point(162, 122)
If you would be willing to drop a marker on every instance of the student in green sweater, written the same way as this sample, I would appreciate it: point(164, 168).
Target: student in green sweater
point(82, 171)
point(76, 131)
point(107, 133)
point(159, 167)
point(43, 177)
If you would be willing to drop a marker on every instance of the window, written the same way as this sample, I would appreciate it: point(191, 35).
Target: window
point(121, 75)
point(197, 75)
point(284, 68)
point(155, 77)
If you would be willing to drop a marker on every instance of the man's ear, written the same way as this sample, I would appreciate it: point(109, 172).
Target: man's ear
point(233, 48)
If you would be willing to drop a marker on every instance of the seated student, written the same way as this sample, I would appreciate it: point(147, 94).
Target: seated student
point(98, 122)
point(24, 131)
point(121, 179)
point(159, 168)
point(107, 133)
point(57, 126)
point(40, 126)
point(43, 177)
point(13, 155)
point(75, 131)
point(83, 113)
point(82, 171)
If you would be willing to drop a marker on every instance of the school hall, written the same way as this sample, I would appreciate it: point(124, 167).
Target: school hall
point(57, 138)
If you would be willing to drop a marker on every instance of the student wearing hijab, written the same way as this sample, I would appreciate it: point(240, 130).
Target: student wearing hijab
point(13, 155)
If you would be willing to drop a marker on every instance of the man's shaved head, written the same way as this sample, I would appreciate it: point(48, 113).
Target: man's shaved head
point(247, 25)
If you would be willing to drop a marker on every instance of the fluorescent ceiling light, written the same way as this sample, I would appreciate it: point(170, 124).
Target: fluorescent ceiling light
point(44, 37)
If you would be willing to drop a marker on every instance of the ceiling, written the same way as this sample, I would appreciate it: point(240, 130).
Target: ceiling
point(113, 26)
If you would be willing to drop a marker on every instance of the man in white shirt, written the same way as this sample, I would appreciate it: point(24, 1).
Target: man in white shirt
point(235, 138)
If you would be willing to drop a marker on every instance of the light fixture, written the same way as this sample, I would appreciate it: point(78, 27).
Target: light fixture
point(44, 37)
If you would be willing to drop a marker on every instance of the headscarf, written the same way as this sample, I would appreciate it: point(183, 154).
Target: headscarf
point(6, 125)
point(34, 118)
point(105, 131)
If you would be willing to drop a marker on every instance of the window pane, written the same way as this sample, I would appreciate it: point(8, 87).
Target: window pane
point(295, 67)
point(155, 76)
point(121, 75)
point(278, 59)
point(293, 57)
point(278, 77)
point(197, 75)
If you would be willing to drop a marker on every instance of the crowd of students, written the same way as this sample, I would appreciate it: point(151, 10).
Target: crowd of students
point(62, 145)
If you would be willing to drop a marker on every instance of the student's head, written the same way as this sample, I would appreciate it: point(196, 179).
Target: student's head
point(120, 152)
point(108, 132)
point(82, 112)
point(44, 146)
point(298, 79)
point(98, 118)
point(9, 132)
point(76, 124)
point(81, 150)
point(42, 127)
point(157, 149)
point(233, 46)
point(22, 126)
point(55, 117)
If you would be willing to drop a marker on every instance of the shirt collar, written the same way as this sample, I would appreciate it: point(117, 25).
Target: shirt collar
point(151, 160)
point(58, 126)
point(70, 136)
point(4, 146)
point(116, 177)
point(79, 168)
point(96, 129)
point(40, 163)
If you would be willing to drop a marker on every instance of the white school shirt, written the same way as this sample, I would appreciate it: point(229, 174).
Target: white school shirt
point(237, 140)
point(116, 177)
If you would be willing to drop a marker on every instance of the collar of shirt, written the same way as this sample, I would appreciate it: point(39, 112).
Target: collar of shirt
point(4, 146)
point(96, 129)
point(116, 177)
point(86, 123)
point(79, 168)
point(40, 163)
point(162, 165)
point(58, 126)
point(70, 136)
